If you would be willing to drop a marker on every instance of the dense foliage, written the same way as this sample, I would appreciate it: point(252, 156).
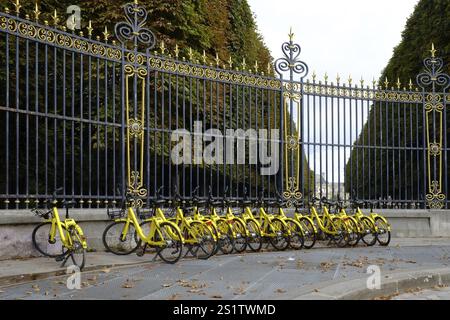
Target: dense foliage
point(401, 125)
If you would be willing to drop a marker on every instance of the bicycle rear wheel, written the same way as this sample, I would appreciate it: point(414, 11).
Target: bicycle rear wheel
point(308, 233)
point(173, 248)
point(41, 241)
point(352, 231)
point(116, 243)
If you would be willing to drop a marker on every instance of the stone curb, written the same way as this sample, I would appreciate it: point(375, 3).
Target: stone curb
point(396, 283)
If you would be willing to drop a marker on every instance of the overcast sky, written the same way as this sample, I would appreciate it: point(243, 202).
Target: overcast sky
point(347, 36)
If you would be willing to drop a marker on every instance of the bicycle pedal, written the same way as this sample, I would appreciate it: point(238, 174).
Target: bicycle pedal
point(140, 252)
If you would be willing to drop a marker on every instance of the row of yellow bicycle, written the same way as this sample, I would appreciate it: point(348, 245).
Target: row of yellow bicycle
point(176, 227)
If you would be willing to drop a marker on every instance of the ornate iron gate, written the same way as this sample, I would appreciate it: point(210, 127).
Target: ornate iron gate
point(88, 113)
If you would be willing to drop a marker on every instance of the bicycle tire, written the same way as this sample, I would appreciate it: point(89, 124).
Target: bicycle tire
point(121, 247)
point(368, 228)
point(206, 246)
point(380, 222)
point(174, 242)
point(240, 231)
point(352, 231)
point(78, 252)
point(48, 250)
point(296, 239)
point(225, 240)
point(281, 240)
point(254, 240)
point(342, 238)
point(309, 233)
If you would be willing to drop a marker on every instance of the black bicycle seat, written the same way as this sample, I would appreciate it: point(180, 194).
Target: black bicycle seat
point(201, 203)
point(159, 202)
point(247, 203)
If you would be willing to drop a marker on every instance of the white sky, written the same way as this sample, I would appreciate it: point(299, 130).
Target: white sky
point(354, 37)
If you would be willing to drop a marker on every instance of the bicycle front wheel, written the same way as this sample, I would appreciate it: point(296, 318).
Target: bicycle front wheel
point(240, 234)
point(383, 235)
point(254, 240)
point(78, 252)
point(120, 241)
point(296, 238)
point(205, 245)
point(308, 233)
point(171, 236)
point(279, 237)
point(42, 242)
point(369, 234)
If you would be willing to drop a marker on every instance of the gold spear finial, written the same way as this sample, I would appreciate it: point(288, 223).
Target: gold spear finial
point(162, 47)
point(256, 67)
point(217, 60)
point(18, 6)
point(338, 78)
point(386, 83)
point(244, 65)
point(55, 18)
point(136, 2)
point(314, 75)
point(269, 68)
point(350, 80)
point(433, 51)
point(362, 82)
point(410, 85)
point(90, 29)
point(326, 77)
point(399, 84)
point(177, 51)
point(106, 34)
point(230, 63)
point(191, 54)
point(291, 35)
point(36, 11)
point(204, 57)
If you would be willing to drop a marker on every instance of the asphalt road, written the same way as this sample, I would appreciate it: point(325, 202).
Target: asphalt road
point(267, 275)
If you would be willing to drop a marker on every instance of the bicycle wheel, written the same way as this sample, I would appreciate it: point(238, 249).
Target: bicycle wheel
point(278, 238)
point(383, 234)
point(254, 240)
point(240, 235)
point(369, 235)
point(116, 243)
point(341, 238)
point(225, 240)
point(173, 248)
point(308, 233)
point(41, 241)
point(352, 231)
point(296, 239)
point(205, 245)
point(78, 253)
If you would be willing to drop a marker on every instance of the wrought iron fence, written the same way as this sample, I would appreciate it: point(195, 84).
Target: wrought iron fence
point(91, 114)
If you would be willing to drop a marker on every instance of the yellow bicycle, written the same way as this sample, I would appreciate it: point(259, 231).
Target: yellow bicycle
point(59, 239)
point(155, 232)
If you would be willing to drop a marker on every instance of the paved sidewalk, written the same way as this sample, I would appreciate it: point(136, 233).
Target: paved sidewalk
point(266, 275)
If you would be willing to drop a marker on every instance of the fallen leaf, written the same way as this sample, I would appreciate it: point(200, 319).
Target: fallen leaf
point(167, 285)
point(127, 285)
point(106, 270)
point(174, 297)
point(280, 291)
point(216, 296)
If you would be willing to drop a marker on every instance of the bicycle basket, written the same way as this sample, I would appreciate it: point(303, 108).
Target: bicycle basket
point(41, 213)
point(144, 214)
point(115, 213)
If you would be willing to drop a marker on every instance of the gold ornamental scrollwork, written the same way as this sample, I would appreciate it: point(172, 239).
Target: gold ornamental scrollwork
point(135, 135)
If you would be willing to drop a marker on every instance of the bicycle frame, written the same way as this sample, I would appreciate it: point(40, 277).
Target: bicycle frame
point(57, 226)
